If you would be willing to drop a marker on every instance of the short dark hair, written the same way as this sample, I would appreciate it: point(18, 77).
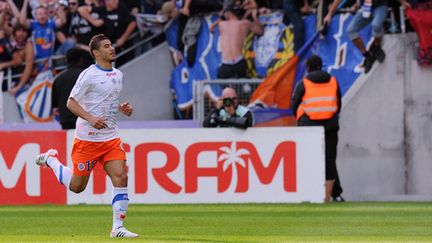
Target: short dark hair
point(74, 56)
point(95, 42)
point(314, 63)
point(19, 27)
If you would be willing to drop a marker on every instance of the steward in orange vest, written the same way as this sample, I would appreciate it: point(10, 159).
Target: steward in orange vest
point(316, 101)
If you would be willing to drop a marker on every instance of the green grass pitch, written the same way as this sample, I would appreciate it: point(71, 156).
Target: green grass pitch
point(337, 222)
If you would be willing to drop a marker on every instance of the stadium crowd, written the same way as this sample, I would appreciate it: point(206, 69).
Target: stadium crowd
point(293, 11)
point(33, 31)
point(36, 32)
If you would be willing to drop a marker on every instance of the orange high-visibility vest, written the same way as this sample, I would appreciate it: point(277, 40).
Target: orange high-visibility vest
point(319, 101)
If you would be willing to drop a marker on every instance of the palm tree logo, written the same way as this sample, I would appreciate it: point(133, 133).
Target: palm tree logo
point(232, 157)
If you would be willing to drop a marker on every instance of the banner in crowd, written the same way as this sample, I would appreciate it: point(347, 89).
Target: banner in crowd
point(262, 54)
point(272, 49)
point(207, 60)
point(149, 22)
point(34, 102)
point(176, 166)
point(275, 89)
point(340, 57)
point(421, 20)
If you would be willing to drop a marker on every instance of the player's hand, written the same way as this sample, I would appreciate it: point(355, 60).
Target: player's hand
point(185, 11)
point(126, 108)
point(98, 123)
point(327, 19)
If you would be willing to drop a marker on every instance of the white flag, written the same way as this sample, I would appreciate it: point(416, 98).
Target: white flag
point(35, 102)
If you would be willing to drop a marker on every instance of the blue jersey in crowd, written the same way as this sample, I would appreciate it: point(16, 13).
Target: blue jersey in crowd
point(43, 37)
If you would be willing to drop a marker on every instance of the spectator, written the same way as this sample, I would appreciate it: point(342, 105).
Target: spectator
point(94, 3)
point(337, 190)
point(28, 54)
point(78, 31)
point(12, 49)
point(293, 15)
point(190, 24)
point(247, 5)
point(317, 101)
point(133, 6)
point(118, 23)
point(372, 11)
point(6, 59)
point(233, 32)
point(64, 35)
point(63, 84)
point(153, 6)
point(229, 113)
point(9, 14)
point(167, 13)
point(42, 29)
point(89, 12)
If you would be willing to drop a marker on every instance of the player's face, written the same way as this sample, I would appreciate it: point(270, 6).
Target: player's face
point(107, 51)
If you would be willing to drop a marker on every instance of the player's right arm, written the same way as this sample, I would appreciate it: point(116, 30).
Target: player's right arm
point(76, 108)
point(81, 87)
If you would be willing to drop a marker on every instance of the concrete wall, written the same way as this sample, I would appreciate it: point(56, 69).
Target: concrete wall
point(10, 109)
point(146, 85)
point(385, 144)
point(418, 121)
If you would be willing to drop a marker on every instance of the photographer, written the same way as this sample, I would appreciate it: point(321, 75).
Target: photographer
point(229, 113)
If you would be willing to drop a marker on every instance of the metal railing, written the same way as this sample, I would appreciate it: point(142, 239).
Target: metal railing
point(142, 46)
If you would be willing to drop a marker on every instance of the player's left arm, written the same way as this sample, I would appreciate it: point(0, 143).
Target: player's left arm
point(125, 108)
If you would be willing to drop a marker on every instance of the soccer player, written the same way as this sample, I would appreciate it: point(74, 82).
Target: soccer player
point(95, 100)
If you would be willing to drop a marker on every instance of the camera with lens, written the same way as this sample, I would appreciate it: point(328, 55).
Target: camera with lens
point(214, 120)
point(222, 121)
point(227, 102)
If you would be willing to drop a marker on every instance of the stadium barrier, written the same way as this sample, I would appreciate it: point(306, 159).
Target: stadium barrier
point(280, 165)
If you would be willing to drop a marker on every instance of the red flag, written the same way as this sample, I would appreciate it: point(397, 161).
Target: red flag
point(421, 21)
point(276, 89)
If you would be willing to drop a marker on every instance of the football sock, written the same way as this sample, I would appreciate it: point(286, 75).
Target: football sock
point(63, 173)
point(120, 204)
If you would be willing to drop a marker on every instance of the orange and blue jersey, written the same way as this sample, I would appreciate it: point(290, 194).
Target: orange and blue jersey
point(43, 37)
